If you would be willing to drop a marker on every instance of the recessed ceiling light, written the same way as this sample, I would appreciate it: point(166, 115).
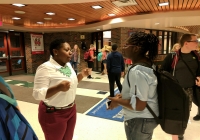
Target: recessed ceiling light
point(11, 30)
point(20, 12)
point(16, 18)
point(111, 15)
point(40, 23)
point(18, 5)
point(97, 7)
point(157, 23)
point(50, 13)
point(163, 4)
point(98, 29)
point(71, 19)
point(48, 18)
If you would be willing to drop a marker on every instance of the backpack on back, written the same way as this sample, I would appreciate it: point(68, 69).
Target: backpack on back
point(99, 56)
point(87, 56)
point(173, 103)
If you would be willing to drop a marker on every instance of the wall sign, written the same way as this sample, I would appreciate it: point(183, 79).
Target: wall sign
point(37, 44)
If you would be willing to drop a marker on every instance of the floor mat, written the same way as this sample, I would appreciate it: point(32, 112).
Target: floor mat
point(28, 78)
point(101, 111)
point(83, 103)
point(94, 85)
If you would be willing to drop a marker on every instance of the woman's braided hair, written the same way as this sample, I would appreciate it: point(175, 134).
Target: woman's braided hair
point(148, 43)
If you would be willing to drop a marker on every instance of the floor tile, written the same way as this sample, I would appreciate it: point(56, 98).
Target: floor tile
point(94, 128)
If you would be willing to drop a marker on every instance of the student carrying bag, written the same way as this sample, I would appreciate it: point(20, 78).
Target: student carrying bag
point(172, 100)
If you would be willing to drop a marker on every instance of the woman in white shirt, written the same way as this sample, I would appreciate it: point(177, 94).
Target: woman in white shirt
point(55, 85)
point(141, 88)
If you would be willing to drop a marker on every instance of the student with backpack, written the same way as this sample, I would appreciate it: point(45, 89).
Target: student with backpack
point(139, 122)
point(184, 66)
point(91, 59)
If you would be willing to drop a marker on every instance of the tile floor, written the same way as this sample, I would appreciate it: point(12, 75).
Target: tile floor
point(93, 128)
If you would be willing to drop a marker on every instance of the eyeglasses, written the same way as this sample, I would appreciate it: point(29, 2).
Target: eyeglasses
point(193, 41)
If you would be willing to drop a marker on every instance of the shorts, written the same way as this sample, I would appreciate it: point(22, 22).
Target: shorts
point(90, 64)
point(104, 61)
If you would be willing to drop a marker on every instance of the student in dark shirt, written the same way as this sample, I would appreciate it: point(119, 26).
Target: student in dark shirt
point(115, 69)
point(178, 68)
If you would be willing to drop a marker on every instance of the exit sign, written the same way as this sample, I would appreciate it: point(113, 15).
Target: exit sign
point(1, 23)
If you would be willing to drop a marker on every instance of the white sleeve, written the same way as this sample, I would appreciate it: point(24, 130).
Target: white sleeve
point(41, 83)
point(139, 87)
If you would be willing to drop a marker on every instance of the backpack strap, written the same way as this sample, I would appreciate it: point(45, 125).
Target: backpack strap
point(152, 113)
point(175, 58)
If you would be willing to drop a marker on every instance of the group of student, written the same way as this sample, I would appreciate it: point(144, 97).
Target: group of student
point(56, 82)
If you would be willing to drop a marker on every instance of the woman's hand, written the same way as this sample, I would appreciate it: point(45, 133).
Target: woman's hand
point(198, 81)
point(122, 74)
point(85, 72)
point(113, 103)
point(64, 86)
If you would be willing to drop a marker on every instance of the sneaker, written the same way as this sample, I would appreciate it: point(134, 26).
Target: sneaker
point(90, 77)
point(196, 118)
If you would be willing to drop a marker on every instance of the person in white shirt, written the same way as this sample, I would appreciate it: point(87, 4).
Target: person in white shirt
point(55, 85)
point(139, 87)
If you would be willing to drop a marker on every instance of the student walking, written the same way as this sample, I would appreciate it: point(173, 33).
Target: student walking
point(75, 59)
point(91, 61)
point(115, 69)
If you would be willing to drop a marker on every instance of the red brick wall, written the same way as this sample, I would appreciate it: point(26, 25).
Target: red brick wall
point(119, 35)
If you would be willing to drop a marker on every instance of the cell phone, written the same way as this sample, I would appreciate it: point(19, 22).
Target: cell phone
point(108, 103)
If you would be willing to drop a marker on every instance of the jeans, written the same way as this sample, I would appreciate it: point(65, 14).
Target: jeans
point(74, 65)
point(114, 77)
point(140, 128)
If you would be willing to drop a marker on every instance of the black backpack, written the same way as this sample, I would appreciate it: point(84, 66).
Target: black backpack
point(173, 103)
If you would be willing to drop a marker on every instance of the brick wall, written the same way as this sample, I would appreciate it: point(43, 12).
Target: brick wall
point(120, 35)
point(33, 61)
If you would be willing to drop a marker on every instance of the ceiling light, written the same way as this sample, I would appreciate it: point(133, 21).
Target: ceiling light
point(20, 12)
point(97, 7)
point(18, 5)
point(11, 30)
point(163, 4)
point(50, 13)
point(16, 18)
point(71, 19)
point(48, 18)
point(98, 29)
point(157, 23)
point(111, 15)
point(40, 23)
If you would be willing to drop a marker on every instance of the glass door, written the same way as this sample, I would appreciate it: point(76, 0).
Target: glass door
point(4, 63)
point(16, 53)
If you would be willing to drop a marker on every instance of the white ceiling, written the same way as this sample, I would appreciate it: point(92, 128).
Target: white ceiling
point(165, 20)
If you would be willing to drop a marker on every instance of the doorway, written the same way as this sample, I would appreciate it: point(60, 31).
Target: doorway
point(12, 60)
